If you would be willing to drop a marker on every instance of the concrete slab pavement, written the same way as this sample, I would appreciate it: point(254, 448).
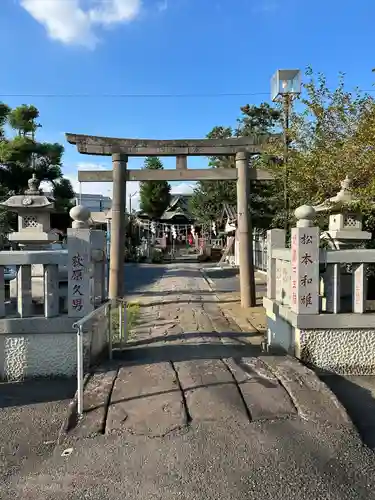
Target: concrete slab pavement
point(224, 283)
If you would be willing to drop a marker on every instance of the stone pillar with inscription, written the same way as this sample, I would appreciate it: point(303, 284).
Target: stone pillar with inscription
point(80, 296)
point(275, 239)
point(305, 263)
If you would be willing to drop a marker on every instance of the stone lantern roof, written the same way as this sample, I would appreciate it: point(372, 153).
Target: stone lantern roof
point(345, 219)
point(32, 200)
point(34, 212)
point(343, 199)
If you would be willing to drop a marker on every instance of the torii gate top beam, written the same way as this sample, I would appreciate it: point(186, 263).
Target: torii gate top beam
point(106, 146)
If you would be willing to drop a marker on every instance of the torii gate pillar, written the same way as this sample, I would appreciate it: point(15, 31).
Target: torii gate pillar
point(245, 239)
point(117, 256)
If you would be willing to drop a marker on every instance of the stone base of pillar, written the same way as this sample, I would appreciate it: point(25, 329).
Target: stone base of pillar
point(343, 344)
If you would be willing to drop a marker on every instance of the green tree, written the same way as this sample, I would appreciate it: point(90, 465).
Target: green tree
point(332, 136)
point(209, 196)
point(154, 195)
point(21, 155)
point(64, 194)
point(23, 120)
point(4, 113)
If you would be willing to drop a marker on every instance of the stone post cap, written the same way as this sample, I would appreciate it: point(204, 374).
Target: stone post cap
point(305, 215)
point(80, 216)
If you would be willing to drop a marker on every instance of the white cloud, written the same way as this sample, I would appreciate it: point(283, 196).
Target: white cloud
point(183, 188)
point(68, 22)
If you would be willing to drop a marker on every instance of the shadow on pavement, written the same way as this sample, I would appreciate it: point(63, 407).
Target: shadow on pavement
point(236, 336)
point(30, 392)
point(221, 273)
point(181, 301)
point(358, 401)
point(141, 275)
point(174, 292)
point(185, 352)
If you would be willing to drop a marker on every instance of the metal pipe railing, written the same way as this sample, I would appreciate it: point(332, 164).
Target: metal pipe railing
point(79, 324)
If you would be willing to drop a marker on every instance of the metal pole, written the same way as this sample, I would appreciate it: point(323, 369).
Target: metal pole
point(117, 255)
point(120, 321)
point(79, 371)
point(108, 313)
point(286, 106)
point(245, 240)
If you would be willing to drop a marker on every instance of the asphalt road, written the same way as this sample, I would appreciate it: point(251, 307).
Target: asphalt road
point(31, 415)
point(140, 276)
point(227, 279)
point(274, 460)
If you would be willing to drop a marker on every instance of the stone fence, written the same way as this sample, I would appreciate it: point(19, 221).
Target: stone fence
point(316, 300)
point(30, 291)
point(52, 289)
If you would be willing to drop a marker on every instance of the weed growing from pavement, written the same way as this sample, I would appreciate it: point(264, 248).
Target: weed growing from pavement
point(131, 315)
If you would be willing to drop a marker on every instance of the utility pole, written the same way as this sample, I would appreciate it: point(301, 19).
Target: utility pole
point(286, 86)
point(287, 100)
point(130, 201)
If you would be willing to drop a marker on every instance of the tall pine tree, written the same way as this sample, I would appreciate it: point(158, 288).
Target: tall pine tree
point(154, 195)
point(22, 154)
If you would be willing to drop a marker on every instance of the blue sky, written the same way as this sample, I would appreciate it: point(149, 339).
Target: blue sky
point(171, 47)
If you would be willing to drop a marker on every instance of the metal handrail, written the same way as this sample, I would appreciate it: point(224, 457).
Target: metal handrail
point(78, 325)
point(80, 322)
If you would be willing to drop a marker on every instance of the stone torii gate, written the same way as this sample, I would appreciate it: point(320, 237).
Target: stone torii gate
point(121, 149)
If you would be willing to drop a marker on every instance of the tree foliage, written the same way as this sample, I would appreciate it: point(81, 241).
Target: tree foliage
point(63, 193)
point(332, 136)
point(209, 196)
point(154, 195)
point(21, 155)
point(23, 120)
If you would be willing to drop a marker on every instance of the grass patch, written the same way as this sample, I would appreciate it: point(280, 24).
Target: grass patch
point(132, 313)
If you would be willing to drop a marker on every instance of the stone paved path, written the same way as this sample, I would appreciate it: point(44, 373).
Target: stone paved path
point(185, 363)
point(225, 284)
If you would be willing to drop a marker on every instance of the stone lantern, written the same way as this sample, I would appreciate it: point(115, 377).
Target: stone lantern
point(344, 232)
point(34, 231)
point(345, 220)
point(34, 214)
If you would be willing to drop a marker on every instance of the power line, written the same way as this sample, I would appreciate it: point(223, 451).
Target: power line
point(228, 94)
point(145, 96)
